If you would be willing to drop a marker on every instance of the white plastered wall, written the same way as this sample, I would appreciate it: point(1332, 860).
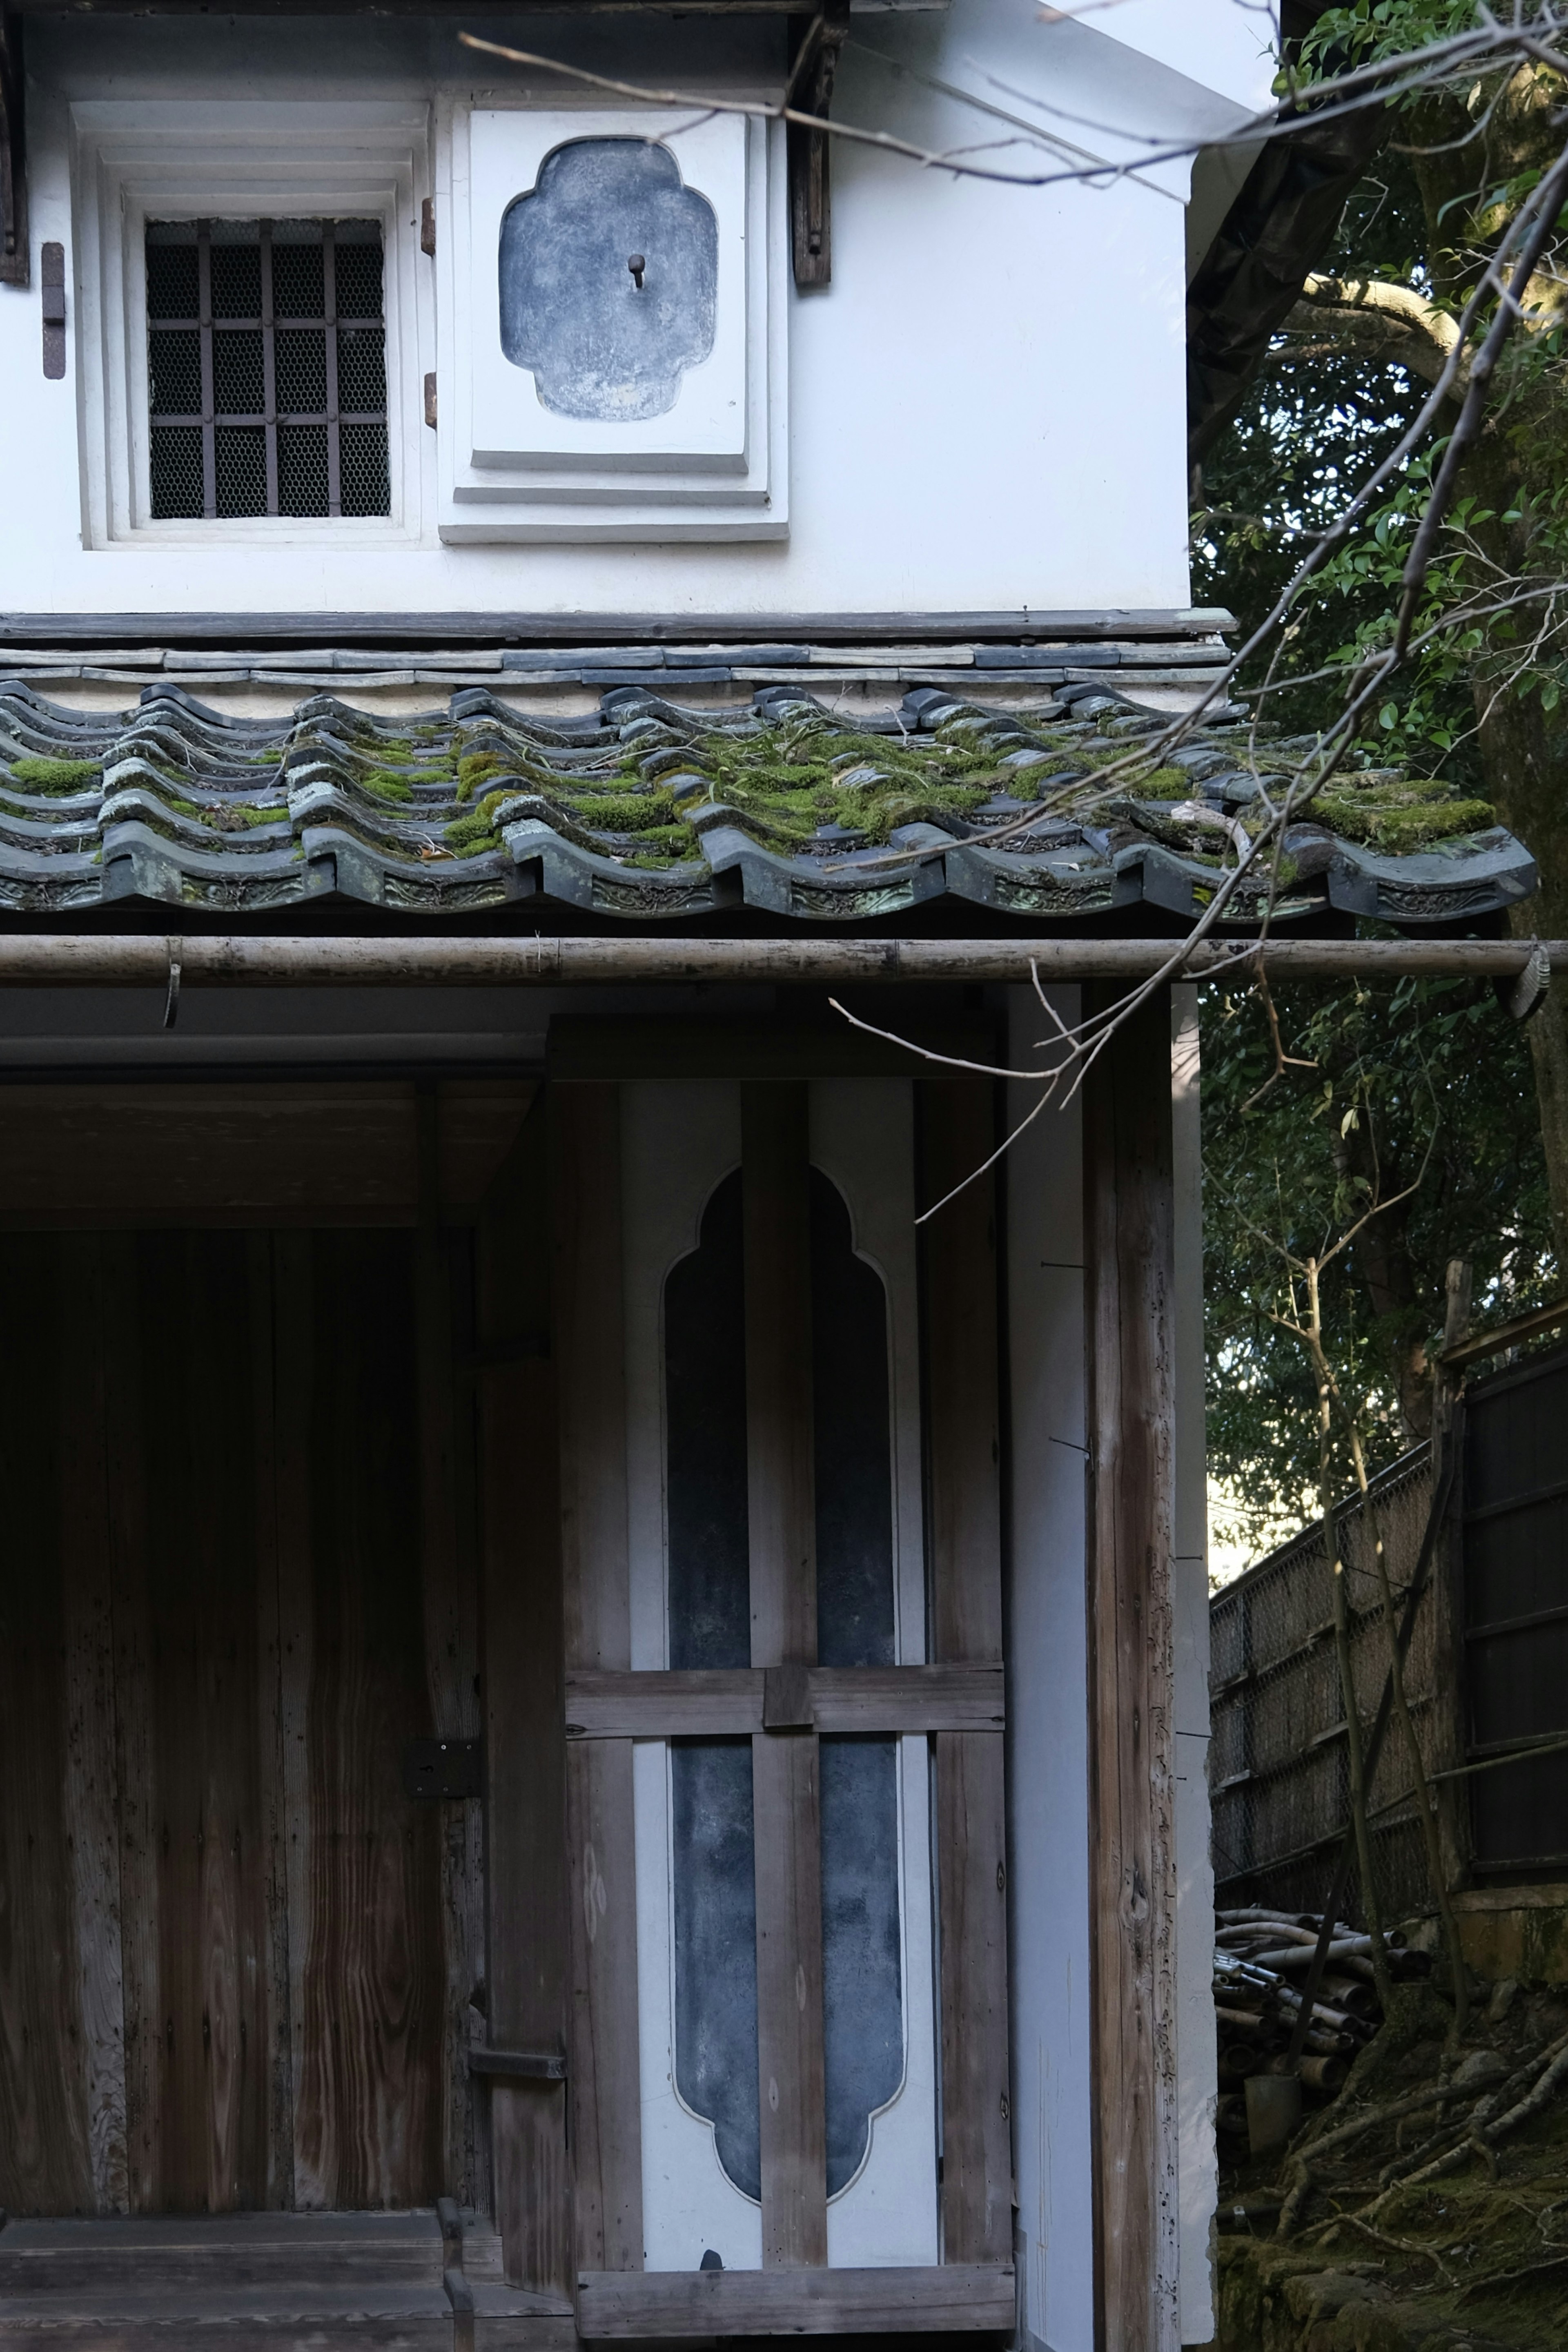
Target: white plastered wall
point(986, 405)
point(1048, 1778)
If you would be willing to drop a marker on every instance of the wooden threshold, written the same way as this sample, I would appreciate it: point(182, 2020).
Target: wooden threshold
point(268, 2283)
point(976, 2297)
point(718, 1704)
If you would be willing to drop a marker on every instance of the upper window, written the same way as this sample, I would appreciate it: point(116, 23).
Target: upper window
point(266, 366)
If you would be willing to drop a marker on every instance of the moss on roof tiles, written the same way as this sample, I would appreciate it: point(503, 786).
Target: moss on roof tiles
point(56, 776)
point(1396, 814)
point(640, 786)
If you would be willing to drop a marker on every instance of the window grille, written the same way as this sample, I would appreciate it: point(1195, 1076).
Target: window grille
point(267, 358)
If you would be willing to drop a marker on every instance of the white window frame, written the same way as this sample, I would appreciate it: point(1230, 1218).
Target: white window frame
point(190, 160)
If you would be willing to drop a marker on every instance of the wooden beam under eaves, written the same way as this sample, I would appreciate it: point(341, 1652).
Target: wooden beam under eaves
point(810, 92)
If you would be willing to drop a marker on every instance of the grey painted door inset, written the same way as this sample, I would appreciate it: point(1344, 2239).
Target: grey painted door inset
point(709, 1626)
point(608, 340)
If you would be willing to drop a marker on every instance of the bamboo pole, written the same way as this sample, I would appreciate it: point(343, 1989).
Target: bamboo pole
point(230, 960)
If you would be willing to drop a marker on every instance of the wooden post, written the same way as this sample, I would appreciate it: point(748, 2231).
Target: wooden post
point(589, 1325)
point(964, 1498)
point(451, 1644)
point(1129, 1225)
point(786, 1808)
point(526, 1962)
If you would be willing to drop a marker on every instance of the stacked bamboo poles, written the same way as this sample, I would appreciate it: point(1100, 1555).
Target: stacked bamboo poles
point(1260, 1958)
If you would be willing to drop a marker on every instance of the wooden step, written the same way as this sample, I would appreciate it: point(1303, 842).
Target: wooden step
point(239, 2250)
point(266, 2283)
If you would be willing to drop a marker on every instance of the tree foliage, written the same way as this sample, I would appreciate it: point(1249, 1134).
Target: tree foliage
point(1416, 1083)
point(1425, 1085)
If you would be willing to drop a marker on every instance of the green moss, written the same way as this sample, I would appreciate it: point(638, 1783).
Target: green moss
point(467, 836)
point(475, 769)
point(56, 776)
point(1162, 785)
point(385, 786)
point(1398, 814)
point(620, 812)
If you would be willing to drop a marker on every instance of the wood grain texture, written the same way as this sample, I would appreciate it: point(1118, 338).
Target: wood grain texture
point(134, 1733)
point(588, 1320)
point(176, 1155)
point(722, 1702)
point(193, 1874)
point(526, 1970)
point(786, 1791)
point(1128, 1217)
point(606, 2106)
point(294, 1354)
point(785, 1798)
point(959, 2297)
point(277, 2057)
point(91, 1790)
point(368, 2118)
point(449, 1583)
point(780, 1458)
point(46, 2158)
point(956, 1136)
point(976, 2132)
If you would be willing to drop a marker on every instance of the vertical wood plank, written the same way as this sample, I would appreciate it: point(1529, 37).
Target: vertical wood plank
point(180, 1409)
point(368, 2117)
point(1129, 1225)
point(293, 1352)
point(787, 1814)
point(587, 1321)
point(91, 1790)
point(451, 1646)
point(135, 1759)
point(524, 1726)
point(964, 1504)
point(277, 2056)
point(46, 2152)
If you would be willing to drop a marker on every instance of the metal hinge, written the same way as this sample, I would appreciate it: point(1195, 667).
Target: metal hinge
point(443, 1768)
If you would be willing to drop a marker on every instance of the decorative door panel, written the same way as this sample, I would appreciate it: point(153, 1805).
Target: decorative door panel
point(784, 1704)
point(692, 1611)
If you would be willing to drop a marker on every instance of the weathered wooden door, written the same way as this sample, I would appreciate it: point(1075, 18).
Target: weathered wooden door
point(236, 1956)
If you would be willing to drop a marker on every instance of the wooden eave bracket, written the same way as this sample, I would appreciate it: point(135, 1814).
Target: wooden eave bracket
point(13, 260)
point(811, 91)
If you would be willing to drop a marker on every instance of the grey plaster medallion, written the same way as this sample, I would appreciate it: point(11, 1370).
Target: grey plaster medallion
point(609, 281)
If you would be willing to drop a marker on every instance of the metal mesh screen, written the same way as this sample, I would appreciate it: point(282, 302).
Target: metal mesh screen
point(1277, 1759)
point(267, 363)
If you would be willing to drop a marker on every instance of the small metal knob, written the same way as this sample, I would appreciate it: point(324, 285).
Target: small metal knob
point(636, 265)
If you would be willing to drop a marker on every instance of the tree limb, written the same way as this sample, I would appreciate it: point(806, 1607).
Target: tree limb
point(1427, 335)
